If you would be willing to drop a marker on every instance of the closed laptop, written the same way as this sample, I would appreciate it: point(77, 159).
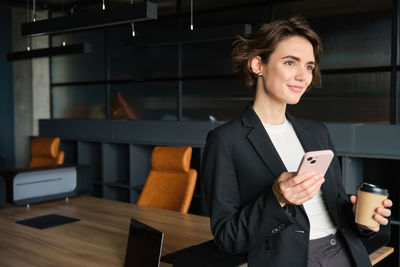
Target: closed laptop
point(144, 245)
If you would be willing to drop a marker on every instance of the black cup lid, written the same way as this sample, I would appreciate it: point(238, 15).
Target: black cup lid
point(371, 188)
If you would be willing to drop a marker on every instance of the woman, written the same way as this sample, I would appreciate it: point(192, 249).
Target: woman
point(258, 204)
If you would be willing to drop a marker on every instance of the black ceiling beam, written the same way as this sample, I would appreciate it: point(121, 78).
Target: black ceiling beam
point(234, 7)
point(90, 20)
point(72, 4)
point(22, 3)
point(150, 80)
point(356, 70)
point(197, 35)
point(51, 6)
point(84, 48)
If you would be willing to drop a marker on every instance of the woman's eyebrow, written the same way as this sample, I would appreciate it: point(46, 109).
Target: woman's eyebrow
point(298, 59)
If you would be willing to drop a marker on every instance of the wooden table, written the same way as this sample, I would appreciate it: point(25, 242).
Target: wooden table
point(100, 237)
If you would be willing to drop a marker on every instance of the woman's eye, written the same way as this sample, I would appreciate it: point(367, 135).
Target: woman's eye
point(290, 63)
point(310, 68)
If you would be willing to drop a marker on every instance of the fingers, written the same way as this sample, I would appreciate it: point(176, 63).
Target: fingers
point(380, 219)
point(278, 194)
point(387, 203)
point(285, 176)
point(380, 215)
point(306, 184)
point(353, 199)
point(295, 187)
point(308, 194)
point(383, 212)
point(299, 192)
point(298, 179)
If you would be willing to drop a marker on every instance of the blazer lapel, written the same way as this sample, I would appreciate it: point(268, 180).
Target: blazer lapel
point(305, 135)
point(261, 142)
point(310, 143)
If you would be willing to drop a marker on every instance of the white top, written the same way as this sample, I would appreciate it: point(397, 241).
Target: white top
point(291, 151)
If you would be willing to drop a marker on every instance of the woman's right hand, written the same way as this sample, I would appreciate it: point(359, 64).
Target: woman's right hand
point(294, 189)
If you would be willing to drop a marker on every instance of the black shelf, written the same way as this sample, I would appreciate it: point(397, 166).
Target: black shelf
point(137, 187)
point(217, 77)
point(119, 185)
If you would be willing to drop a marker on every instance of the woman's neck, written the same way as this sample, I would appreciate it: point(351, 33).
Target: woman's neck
point(269, 110)
point(269, 115)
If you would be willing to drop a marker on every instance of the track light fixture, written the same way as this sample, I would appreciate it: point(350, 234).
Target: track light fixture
point(191, 15)
point(84, 48)
point(111, 17)
point(188, 36)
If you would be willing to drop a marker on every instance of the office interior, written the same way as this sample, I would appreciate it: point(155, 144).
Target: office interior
point(142, 86)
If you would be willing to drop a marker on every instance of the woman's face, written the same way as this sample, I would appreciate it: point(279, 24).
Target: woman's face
point(288, 72)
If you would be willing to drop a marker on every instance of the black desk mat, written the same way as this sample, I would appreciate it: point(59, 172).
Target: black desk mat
point(204, 254)
point(46, 221)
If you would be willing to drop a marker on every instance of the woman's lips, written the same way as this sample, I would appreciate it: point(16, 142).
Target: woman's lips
point(296, 88)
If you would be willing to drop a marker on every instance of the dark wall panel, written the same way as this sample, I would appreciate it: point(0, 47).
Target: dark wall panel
point(147, 101)
point(356, 97)
point(143, 62)
point(78, 68)
point(356, 40)
point(79, 102)
point(357, 37)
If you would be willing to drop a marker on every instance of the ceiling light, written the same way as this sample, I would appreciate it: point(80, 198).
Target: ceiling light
point(200, 35)
point(84, 48)
point(90, 20)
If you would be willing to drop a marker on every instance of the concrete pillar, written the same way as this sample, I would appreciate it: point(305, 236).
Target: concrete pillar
point(40, 80)
point(31, 88)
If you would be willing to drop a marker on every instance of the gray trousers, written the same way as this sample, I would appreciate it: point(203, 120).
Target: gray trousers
point(328, 251)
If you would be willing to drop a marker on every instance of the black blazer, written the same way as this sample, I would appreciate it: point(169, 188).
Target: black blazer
point(240, 165)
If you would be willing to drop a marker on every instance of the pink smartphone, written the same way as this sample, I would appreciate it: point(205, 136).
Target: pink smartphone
point(316, 161)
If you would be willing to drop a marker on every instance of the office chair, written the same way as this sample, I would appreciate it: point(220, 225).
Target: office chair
point(44, 152)
point(171, 182)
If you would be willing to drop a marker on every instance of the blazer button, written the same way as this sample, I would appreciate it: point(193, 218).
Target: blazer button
point(281, 226)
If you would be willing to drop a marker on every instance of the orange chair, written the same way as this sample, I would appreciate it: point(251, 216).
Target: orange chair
point(44, 152)
point(170, 183)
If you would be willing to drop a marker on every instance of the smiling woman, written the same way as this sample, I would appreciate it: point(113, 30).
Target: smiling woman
point(258, 203)
point(286, 75)
point(264, 41)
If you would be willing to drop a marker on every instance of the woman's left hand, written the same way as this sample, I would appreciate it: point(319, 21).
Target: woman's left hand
point(379, 216)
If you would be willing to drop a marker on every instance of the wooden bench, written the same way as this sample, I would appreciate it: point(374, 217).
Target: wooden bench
point(380, 254)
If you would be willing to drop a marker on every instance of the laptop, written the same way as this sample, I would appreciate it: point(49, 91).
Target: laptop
point(144, 245)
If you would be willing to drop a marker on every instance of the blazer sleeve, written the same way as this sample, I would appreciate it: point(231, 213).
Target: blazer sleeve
point(237, 227)
point(371, 240)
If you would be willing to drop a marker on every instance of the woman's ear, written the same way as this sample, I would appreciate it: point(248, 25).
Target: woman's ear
point(256, 65)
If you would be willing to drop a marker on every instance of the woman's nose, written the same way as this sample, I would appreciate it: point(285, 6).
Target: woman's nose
point(301, 74)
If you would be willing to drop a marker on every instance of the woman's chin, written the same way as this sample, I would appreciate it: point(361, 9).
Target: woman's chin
point(293, 101)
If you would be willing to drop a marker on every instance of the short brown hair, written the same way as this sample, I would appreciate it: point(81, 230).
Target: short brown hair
point(263, 41)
